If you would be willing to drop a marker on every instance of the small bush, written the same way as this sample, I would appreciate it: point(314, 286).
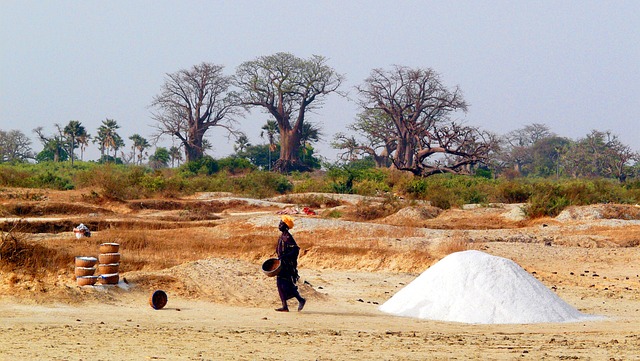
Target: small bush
point(11, 176)
point(203, 166)
point(235, 165)
point(547, 200)
point(311, 185)
point(367, 210)
point(369, 187)
point(442, 197)
point(513, 192)
point(52, 181)
point(313, 200)
point(32, 258)
point(456, 243)
point(263, 184)
point(333, 214)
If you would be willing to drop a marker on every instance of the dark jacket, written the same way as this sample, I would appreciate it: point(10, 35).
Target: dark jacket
point(287, 250)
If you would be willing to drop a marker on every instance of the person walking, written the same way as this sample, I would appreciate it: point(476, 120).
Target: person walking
point(287, 250)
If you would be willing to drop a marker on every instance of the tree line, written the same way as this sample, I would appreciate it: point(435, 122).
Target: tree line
point(408, 121)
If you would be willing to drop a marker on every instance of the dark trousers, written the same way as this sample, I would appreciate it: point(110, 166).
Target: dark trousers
point(287, 290)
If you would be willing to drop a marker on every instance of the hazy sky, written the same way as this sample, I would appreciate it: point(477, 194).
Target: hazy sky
point(573, 65)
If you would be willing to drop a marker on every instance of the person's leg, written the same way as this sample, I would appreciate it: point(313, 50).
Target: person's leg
point(301, 302)
point(282, 294)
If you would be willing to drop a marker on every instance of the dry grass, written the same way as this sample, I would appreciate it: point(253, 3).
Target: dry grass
point(628, 236)
point(349, 250)
point(39, 209)
point(17, 253)
point(149, 244)
point(311, 200)
point(155, 250)
point(22, 194)
point(368, 210)
point(456, 243)
point(203, 206)
point(621, 211)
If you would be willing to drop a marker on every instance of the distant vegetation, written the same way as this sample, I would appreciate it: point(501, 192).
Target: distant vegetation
point(117, 182)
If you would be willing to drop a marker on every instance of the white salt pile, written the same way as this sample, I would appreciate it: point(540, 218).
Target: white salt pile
point(475, 287)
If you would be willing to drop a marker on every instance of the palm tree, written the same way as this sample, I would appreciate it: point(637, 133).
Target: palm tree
point(140, 144)
point(83, 142)
point(108, 138)
point(176, 155)
point(271, 130)
point(159, 159)
point(72, 132)
point(310, 133)
point(242, 142)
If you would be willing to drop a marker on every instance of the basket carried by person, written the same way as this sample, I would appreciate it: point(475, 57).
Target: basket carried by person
point(271, 267)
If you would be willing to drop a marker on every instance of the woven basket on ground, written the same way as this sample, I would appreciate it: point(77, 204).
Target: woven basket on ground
point(109, 248)
point(85, 271)
point(86, 280)
point(106, 258)
point(109, 279)
point(108, 268)
point(82, 261)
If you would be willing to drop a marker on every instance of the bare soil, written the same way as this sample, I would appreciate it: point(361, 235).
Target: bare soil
point(221, 306)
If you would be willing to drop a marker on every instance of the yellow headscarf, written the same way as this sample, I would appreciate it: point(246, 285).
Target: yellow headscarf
point(288, 221)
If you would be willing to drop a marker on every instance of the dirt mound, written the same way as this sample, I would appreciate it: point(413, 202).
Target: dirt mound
point(413, 215)
point(218, 280)
point(600, 211)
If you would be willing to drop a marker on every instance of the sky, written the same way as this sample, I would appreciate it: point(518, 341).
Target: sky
point(572, 65)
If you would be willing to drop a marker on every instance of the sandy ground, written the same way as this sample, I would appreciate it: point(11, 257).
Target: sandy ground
point(340, 322)
point(225, 311)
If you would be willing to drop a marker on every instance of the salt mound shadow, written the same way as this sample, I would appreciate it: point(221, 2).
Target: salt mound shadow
point(475, 287)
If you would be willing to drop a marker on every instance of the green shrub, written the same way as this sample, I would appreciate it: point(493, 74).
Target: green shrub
point(333, 214)
point(220, 182)
point(263, 184)
point(52, 181)
point(311, 185)
point(313, 200)
point(548, 199)
point(442, 197)
point(416, 188)
point(545, 205)
point(203, 166)
point(368, 210)
point(369, 187)
point(12, 176)
point(235, 165)
point(513, 191)
point(153, 183)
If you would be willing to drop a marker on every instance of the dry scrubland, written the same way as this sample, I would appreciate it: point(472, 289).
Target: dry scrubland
point(205, 252)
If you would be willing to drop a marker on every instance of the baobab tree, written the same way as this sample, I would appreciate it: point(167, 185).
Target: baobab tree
point(191, 102)
point(418, 110)
point(15, 146)
point(287, 87)
point(517, 145)
point(54, 147)
point(377, 138)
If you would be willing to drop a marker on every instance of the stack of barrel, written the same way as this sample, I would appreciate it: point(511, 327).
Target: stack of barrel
point(109, 263)
point(85, 270)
